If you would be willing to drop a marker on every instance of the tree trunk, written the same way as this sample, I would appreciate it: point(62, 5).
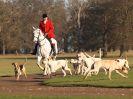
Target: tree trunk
point(122, 50)
point(105, 45)
point(65, 43)
point(4, 48)
point(79, 29)
point(105, 49)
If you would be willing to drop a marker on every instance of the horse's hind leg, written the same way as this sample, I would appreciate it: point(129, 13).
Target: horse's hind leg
point(38, 63)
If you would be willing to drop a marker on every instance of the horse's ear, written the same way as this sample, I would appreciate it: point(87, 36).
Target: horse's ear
point(33, 27)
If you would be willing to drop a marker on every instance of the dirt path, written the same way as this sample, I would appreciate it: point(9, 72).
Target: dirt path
point(33, 86)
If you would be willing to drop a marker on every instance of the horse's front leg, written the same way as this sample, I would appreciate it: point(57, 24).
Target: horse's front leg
point(38, 62)
point(47, 70)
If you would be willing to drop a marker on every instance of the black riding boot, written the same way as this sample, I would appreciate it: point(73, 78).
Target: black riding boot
point(35, 49)
point(53, 49)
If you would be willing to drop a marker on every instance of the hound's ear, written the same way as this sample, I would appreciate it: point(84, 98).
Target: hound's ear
point(66, 60)
point(117, 60)
point(122, 57)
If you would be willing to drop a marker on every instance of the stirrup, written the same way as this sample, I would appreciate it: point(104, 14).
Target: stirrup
point(54, 54)
point(33, 53)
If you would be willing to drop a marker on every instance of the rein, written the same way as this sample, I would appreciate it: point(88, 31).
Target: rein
point(44, 37)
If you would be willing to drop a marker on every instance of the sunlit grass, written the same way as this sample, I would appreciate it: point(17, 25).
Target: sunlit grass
point(101, 80)
point(6, 67)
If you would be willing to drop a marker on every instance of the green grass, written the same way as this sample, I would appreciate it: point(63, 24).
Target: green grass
point(100, 80)
point(64, 97)
point(6, 67)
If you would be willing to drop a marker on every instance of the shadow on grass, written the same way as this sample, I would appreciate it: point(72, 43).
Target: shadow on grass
point(92, 82)
point(4, 76)
point(85, 85)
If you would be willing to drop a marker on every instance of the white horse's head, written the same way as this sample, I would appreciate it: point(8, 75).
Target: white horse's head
point(38, 36)
point(44, 48)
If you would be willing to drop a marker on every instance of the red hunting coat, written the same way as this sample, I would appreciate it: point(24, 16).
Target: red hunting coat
point(47, 28)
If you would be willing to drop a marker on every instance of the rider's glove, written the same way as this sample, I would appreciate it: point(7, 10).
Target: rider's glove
point(45, 34)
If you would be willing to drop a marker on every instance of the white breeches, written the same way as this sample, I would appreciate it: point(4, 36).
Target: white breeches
point(55, 43)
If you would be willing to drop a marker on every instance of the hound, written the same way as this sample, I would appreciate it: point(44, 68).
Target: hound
point(111, 65)
point(54, 65)
point(78, 66)
point(19, 69)
point(88, 60)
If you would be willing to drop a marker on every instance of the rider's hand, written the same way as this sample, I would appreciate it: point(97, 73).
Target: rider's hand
point(45, 34)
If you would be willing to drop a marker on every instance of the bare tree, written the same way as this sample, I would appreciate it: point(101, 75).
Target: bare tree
point(5, 23)
point(77, 12)
point(125, 27)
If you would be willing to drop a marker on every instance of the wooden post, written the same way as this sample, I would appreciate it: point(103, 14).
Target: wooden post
point(0, 29)
point(100, 53)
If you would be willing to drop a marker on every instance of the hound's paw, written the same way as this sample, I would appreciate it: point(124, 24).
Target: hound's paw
point(126, 76)
point(85, 77)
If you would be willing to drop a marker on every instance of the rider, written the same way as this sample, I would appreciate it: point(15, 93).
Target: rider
point(46, 26)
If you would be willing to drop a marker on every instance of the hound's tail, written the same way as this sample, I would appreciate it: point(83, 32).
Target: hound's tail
point(25, 61)
point(66, 63)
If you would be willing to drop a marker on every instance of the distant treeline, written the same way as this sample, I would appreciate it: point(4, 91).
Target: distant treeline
point(79, 24)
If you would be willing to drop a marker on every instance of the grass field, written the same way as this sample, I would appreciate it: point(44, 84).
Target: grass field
point(6, 69)
point(96, 81)
point(100, 81)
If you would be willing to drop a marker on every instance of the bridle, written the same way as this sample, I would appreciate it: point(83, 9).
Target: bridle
point(39, 41)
